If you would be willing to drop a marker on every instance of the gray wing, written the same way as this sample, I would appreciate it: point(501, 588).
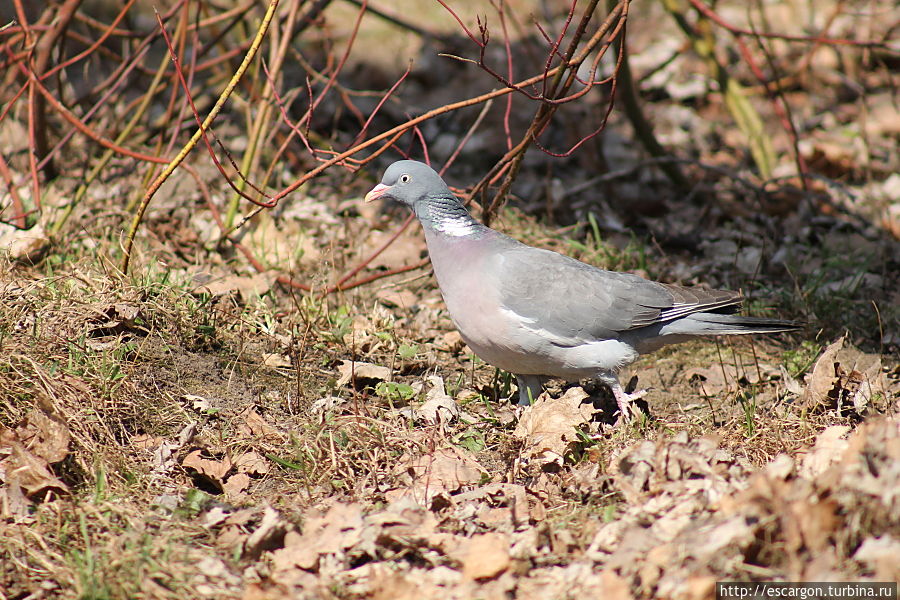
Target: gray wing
point(572, 302)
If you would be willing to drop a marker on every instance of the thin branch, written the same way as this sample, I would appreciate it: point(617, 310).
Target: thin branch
point(223, 97)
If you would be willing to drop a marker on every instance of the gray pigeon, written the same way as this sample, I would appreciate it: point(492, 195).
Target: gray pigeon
point(539, 314)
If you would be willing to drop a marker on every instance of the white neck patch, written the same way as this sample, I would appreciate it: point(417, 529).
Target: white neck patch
point(455, 226)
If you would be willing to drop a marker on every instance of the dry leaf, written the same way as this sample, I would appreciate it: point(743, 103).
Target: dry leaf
point(328, 534)
point(451, 342)
point(45, 436)
point(26, 454)
point(25, 245)
point(13, 502)
point(880, 555)
point(615, 587)
point(548, 427)
point(254, 425)
point(235, 485)
point(276, 360)
point(212, 468)
point(394, 297)
point(890, 218)
point(446, 470)
point(31, 473)
point(198, 403)
point(248, 286)
point(438, 406)
point(252, 463)
point(362, 373)
point(164, 455)
point(828, 449)
point(268, 535)
point(577, 580)
point(145, 441)
point(844, 377)
point(822, 378)
point(810, 523)
point(326, 404)
point(485, 556)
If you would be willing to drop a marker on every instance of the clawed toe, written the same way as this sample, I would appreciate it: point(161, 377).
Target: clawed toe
point(625, 401)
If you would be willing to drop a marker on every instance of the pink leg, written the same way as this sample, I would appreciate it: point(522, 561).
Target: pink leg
point(623, 399)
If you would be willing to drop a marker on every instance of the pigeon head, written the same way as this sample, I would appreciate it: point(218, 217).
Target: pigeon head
point(410, 182)
point(418, 186)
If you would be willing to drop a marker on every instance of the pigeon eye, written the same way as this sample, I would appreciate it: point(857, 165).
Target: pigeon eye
point(404, 178)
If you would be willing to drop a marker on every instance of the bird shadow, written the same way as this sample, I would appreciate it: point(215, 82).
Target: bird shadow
point(606, 411)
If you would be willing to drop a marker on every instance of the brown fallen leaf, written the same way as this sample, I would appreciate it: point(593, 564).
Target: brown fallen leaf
point(13, 502)
point(328, 534)
point(234, 527)
point(235, 486)
point(114, 325)
point(361, 373)
point(276, 360)
point(844, 378)
point(30, 473)
point(26, 454)
point(890, 218)
point(394, 297)
point(438, 406)
point(443, 471)
point(821, 380)
point(576, 580)
point(485, 556)
point(252, 463)
point(24, 245)
point(549, 427)
point(810, 524)
point(251, 424)
point(828, 449)
point(248, 286)
point(213, 469)
point(451, 342)
point(268, 535)
point(880, 555)
point(44, 436)
point(145, 441)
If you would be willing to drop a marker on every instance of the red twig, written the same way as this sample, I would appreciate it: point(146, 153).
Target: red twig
point(352, 272)
point(18, 217)
point(82, 127)
point(378, 106)
point(779, 104)
point(203, 132)
point(108, 31)
point(715, 18)
point(453, 14)
point(500, 7)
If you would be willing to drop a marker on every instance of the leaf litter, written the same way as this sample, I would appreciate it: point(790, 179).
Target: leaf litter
point(693, 511)
point(434, 487)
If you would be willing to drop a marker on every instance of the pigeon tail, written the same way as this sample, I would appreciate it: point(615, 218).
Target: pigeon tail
point(711, 323)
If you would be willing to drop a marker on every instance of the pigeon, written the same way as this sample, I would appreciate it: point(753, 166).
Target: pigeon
point(539, 314)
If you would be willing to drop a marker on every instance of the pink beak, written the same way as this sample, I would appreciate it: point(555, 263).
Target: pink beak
point(377, 191)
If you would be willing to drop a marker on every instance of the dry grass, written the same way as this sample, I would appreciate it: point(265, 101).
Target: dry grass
point(143, 375)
